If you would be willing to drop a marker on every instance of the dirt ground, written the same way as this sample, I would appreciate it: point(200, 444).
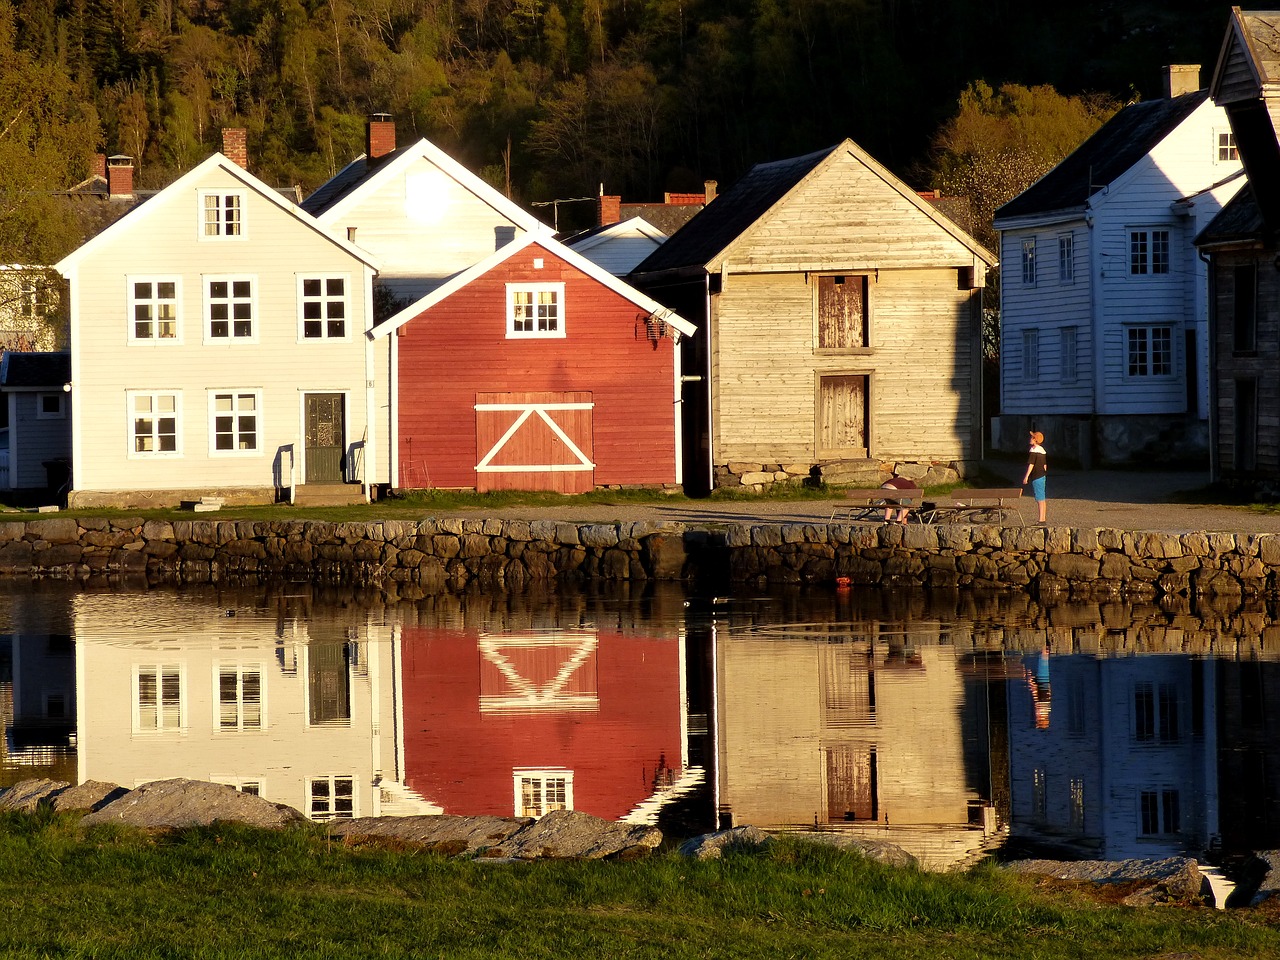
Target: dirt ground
point(1126, 500)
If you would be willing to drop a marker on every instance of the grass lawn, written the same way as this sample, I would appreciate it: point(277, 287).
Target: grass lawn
point(235, 892)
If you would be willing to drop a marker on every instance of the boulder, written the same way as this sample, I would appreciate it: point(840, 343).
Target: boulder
point(166, 804)
point(90, 795)
point(574, 835)
point(26, 795)
point(711, 846)
point(1258, 880)
point(449, 835)
point(881, 851)
point(1137, 882)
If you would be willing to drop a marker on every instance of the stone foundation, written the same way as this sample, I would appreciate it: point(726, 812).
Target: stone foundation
point(758, 477)
point(435, 556)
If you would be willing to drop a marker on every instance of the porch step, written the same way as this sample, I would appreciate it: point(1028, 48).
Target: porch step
point(328, 494)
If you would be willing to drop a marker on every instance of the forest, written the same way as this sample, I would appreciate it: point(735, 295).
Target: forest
point(555, 99)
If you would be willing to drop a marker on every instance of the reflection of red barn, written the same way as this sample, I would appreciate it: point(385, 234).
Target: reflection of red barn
point(496, 722)
point(535, 370)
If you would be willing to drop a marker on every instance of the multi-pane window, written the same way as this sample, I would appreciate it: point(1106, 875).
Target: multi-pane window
point(1066, 258)
point(1067, 354)
point(1244, 308)
point(332, 798)
point(229, 307)
point(541, 791)
point(1155, 709)
point(1226, 146)
point(1077, 804)
point(153, 309)
point(535, 310)
point(1148, 252)
point(1029, 262)
point(1150, 351)
point(1031, 355)
point(153, 421)
point(1160, 813)
point(30, 298)
point(239, 698)
point(158, 697)
point(324, 307)
point(223, 214)
point(235, 427)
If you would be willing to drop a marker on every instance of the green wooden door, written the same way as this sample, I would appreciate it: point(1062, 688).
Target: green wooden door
point(324, 438)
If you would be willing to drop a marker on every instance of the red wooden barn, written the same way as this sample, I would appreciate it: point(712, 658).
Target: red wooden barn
point(525, 723)
point(535, 370)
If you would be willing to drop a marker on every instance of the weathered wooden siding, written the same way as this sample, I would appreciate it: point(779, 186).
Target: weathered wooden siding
point(458, 348)
point(161, 239)
point(1046, 306)
point(1238, 82)
point(453, 229)
point(845, 218)
point(920, 365)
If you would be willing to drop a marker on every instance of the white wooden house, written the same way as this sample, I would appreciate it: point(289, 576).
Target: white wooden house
point(1104, 301)
point(218, 348)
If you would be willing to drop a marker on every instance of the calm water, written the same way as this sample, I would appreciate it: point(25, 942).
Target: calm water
point(950, 725)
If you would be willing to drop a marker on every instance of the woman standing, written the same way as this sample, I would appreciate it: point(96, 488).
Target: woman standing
point(1037, 468)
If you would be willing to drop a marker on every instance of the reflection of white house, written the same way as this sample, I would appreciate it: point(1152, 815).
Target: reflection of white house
point(305, 713)
point(866, 735)
point(1126, 766)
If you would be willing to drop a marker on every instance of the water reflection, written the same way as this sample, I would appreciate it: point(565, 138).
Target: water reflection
point(950, 725)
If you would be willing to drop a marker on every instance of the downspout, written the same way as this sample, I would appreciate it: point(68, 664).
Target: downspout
point(711, 447)
point(393, 406)
point(677, 406)
point(1211, 287)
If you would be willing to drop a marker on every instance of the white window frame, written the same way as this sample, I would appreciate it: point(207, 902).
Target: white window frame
point(254, 786)
point(1031, 356)
point(236, 396)
point(324, 298)
point(1068, 354)
point(59, 414)
point(332, 812)
point(216, 229)
point(1029, 261)
point(133, 302)
point(231, 300)
point(1160, 795)
point(1148, 351)
point(131, 421)
point(535, 288)
point(31, 304)
point(1066, 258)
point(1224, 141)
point(541, 776)
point(241, 722)
point(1143, 262)
point(161, 724)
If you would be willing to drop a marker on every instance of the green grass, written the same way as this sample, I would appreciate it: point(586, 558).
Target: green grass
point(235, 892)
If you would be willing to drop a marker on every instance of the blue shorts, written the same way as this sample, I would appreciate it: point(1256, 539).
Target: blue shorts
point(1037, 487)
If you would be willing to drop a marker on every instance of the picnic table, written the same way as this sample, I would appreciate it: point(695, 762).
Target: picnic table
point(871, 504)
point(978, 505)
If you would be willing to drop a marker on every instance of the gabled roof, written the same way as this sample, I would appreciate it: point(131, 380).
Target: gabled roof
point(35, 370)
point(609, 231)
point(1120, 143)
point(734, 214)
point(195, 175)
point(360, 176)
point(1250, 53)
point(552, 246)
point(1239, 221)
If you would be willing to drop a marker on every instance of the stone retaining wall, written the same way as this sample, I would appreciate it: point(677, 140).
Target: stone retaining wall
point(437, 555)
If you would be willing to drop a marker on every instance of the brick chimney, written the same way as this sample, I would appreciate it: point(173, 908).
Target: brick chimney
point(99, 166)
point(709, 188)
point(380, 136)
point(608, 210)
point(120, 177)
point(235, 146)
point(1180, 78)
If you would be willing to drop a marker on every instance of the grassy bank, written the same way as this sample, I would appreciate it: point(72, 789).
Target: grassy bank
point(240, 893)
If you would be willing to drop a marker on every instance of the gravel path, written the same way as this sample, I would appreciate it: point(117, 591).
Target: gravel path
point(1127, 500)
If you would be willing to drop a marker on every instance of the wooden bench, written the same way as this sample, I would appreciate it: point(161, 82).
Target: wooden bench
point(990, 505)
point(871, 504)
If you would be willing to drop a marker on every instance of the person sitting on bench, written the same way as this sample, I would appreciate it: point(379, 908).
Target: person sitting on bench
point(899, 483)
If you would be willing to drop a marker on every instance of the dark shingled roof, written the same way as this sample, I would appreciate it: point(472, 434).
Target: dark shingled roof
point(347, 179)
point(19, 370)
point(1238, 221)
point(1120, 143)
point(667, 217)
point(725, 218)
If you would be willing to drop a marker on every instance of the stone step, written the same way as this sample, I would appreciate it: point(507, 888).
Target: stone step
point(328, 494)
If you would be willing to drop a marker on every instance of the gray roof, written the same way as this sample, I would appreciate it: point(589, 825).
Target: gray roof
point(1239, 221)
point(1120, 143)
point(34, 370)
point(344, 181)
point(730, 214)
point(667, 217)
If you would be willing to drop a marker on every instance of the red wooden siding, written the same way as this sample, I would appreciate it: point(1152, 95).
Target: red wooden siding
point(605, 706)
point(457, 351)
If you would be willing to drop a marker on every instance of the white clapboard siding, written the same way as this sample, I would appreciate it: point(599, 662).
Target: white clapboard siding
point(161, 239)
